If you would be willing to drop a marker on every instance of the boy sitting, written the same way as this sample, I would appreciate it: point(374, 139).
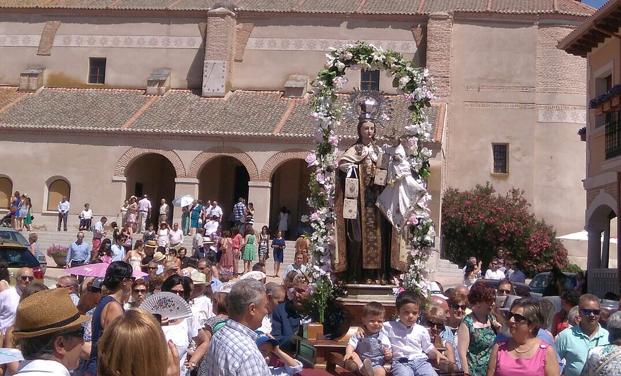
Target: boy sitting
point(411, 343)
point(278, 361)
point(366, 352)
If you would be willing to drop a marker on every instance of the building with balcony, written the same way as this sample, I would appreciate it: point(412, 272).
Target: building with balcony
point(101, 100)
point(598, 40)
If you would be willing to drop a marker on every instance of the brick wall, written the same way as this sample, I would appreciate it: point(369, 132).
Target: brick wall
point(439, 30)
point(558, 71)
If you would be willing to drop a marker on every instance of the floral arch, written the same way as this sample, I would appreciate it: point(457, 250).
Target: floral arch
point(414, 84)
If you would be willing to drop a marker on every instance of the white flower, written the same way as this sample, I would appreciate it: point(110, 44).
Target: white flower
point(340, 66)
point(404, 81)
point(346, 55)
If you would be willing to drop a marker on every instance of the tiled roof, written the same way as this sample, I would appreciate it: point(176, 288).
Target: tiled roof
point(567, 7)
point(8, 95)
point(243, 113)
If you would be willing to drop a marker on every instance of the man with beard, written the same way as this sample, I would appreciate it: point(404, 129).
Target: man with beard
point(289, 316)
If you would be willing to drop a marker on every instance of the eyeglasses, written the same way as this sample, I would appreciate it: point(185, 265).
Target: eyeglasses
point(516, 317)
point(589, 312)
point(504, 292)
point(26, 278)
point(459, 306)
point(140, 291)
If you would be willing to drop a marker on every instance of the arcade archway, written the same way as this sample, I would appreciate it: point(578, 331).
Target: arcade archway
point(290, 189)
point(154, 175)
point(224, 179)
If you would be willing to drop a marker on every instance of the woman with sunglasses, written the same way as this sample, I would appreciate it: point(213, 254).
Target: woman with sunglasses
point(524, 353)
point(184, 332)
point(118, 283)
point(477, 331)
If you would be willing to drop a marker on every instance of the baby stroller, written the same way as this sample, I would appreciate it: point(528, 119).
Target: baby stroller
point(6, 220)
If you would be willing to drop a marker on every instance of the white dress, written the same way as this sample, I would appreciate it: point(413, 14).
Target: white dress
point(181, 334)
point(162, 237)
point(400, 197)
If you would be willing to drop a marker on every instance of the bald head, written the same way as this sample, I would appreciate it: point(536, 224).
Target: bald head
point(461, 291)
point(438, 302)
point(69, 282)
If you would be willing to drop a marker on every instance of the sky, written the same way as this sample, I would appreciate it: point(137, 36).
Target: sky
point(594, 3)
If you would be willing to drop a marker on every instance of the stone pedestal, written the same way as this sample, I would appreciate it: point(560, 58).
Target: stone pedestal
point(359, 294)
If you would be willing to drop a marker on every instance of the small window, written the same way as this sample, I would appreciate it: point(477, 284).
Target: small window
point(369, 80)
point(6, 187)
point(97, 70)
point(501, 158)
point(602, 86)
point(57, 189)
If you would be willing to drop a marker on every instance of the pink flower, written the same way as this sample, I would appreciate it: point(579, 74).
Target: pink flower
point(321, 178)
point(311, 159)
point(315, 217)
point(333, 140)
point(413, 220)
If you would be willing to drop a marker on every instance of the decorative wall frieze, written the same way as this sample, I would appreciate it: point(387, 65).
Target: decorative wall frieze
point(112, 41)
point(561, 114)
point(300, 44)
point(501, 105)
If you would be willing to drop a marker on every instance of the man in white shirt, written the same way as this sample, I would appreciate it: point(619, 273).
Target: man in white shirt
point(63, 212)
point(176, 236)
point(85, 217)
point(493, 272)
point(163, 211)
point(216, 210)
point(144, 210)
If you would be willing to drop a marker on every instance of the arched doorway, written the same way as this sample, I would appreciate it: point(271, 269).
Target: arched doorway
point(223, 179)
point(290, 189)
point(154, 175)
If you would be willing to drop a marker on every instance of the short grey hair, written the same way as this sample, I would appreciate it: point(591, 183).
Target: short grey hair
point(614, 328)
point(243, 293)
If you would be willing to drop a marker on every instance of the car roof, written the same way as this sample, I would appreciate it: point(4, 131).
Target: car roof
point(11, 244)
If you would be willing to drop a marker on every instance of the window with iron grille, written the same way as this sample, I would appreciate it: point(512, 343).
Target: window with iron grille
point(369, 80)
point(501, 158)
point(97, 70)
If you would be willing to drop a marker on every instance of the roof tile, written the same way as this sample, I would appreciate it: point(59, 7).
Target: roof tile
point(8, 95)
point(391, 7)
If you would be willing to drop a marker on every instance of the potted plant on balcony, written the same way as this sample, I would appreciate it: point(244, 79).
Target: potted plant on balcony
point(59, 254)
point(582, 133)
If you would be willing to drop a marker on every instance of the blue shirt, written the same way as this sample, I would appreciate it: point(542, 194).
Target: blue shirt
point(573, 345)
point(78, 252)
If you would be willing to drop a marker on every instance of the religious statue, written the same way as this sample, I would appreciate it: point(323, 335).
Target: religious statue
point(375, 196)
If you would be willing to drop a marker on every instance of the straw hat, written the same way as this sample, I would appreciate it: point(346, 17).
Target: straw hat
point(59, 314)
point(151, 244)
point(158, 256)
point(198, 278)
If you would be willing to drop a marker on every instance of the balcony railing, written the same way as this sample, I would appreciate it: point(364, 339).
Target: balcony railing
point(613, 135)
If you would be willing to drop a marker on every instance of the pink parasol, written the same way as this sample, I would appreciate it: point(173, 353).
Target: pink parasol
point(97, 270)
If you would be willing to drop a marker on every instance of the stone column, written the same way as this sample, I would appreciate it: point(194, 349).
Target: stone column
point(184, 186)
point(120, 184)
point(219, 52)
point(606, 246)
point(259, 193)
point(439, 29)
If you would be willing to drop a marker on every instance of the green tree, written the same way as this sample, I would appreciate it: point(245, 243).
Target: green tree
point(479, 221)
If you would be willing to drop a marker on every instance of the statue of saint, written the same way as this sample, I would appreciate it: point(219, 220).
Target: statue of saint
point(375, 195)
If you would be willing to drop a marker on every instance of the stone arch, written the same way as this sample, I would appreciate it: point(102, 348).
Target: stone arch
point(278, 159)
point(132, 154)
point(201, 159)
point(603, 202)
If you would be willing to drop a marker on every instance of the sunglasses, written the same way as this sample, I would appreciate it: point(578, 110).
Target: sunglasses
point(79, 333)
point(504, 292)
point(516, 317)
point(459, 306)
point(26, 278)
point(589, 312)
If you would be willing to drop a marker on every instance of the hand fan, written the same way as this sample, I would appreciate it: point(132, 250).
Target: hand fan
point(167, 305)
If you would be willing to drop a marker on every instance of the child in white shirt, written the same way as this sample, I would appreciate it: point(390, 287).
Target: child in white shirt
point(268, 347)
point(411, 344)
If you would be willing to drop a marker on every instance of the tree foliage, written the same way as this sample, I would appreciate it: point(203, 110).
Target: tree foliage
point(479, 221)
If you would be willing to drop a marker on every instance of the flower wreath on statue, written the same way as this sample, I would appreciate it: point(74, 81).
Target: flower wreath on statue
point(414, 84)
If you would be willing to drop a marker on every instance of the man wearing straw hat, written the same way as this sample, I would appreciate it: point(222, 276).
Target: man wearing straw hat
point(50, 339)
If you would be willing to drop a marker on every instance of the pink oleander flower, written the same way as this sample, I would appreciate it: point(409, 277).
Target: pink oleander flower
point(311, 159)
point(315, 217)
point(413, 220)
